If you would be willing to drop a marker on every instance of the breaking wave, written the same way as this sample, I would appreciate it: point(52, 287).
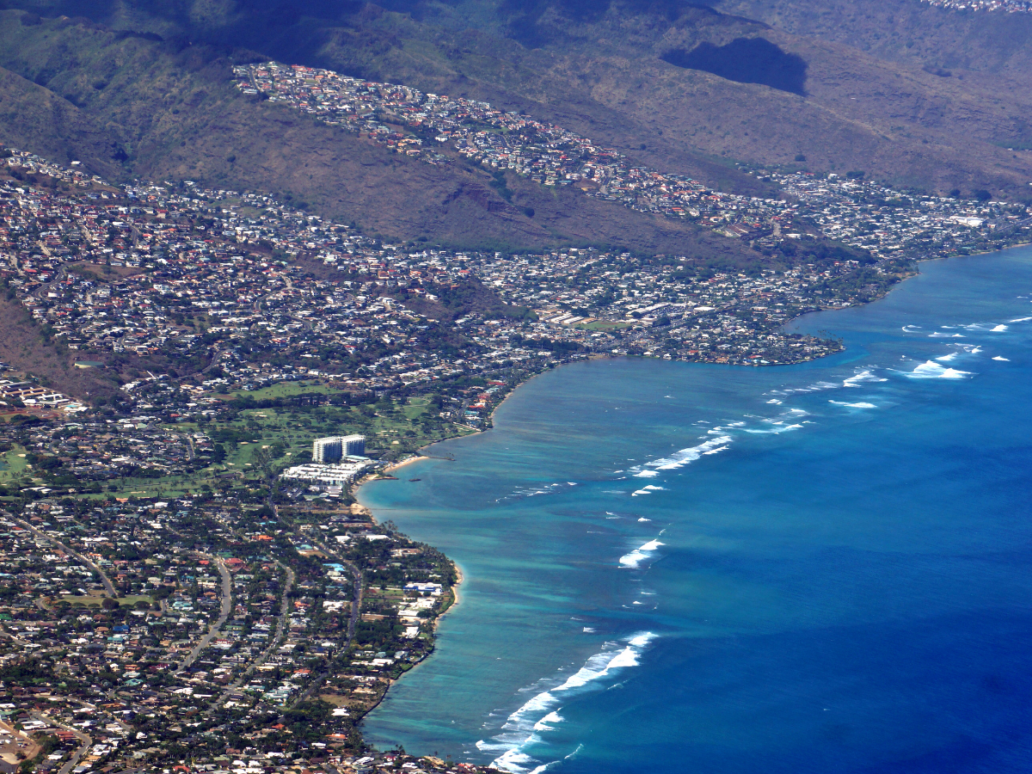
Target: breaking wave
point(639, 555)
point(537, 491)
point(683, 457)
point(860, 377)
point(988, 327)
point(932, 370)
point(776, 428)
point(647, 490)
point(540, 714)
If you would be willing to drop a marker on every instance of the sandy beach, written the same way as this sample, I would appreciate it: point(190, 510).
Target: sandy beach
point(460, 578)
point(404, 463)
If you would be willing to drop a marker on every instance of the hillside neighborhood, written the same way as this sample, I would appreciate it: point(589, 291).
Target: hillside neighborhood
point(876, 218)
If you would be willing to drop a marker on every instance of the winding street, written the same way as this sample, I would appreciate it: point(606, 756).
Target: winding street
point(356, 611)
point(85, 739)
point(281, 628)
point(108, 585)
point(226, 609)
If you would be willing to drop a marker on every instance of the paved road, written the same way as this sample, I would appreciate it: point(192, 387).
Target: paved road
point(15, 639)
point(281, 628)
point(108, 585)
point(356, 611)
point(58, 278)
point(85, 739)
point(226, 609)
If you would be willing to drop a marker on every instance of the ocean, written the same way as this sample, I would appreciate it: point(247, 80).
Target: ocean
point(676, 567)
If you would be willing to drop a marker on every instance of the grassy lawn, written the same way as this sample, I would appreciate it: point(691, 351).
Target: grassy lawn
point(393, 433)
point(295, 429)
point(416, 407)
point(14, 464)
point(335, 699)
point(603, 325)
point(284, 390)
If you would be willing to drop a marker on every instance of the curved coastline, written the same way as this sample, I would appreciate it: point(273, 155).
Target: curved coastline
point(422, 457)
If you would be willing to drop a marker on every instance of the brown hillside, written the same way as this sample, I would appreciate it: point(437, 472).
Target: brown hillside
point(24, 347)
point(906, 31)
point(893, 120)
point(33, 117)
point(169, 113)
point(908, 93)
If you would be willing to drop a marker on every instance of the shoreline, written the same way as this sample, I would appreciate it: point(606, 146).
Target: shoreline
point(420, 456)
point(399, 465)
point(392, 680)
point(460, 578)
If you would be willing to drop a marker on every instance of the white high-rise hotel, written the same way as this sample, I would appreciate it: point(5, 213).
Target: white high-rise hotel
point(326, 451)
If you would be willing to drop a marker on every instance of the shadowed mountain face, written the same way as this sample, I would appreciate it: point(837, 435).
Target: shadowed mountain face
point(739, 90)
point(905, 31)
point(745, 60)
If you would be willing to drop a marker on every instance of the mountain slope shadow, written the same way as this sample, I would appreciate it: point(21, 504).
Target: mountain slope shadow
point(745, 60)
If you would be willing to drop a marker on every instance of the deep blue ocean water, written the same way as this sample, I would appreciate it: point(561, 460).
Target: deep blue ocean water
point(674, 567)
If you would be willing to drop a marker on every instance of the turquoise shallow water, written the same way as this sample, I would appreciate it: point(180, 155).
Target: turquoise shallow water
point(676, 567)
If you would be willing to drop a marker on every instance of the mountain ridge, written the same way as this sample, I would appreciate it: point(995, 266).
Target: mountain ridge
point(187, 121)
point(572, 73)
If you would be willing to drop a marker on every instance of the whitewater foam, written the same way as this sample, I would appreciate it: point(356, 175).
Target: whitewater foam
point(683, 457)
point(639, 555)
point(1002, 359)
point(932, 370)
point(860, 405)
point(776, 429)
point(540, 714)
point(860, 377)
point(642, 491)
point(548, 722)
point(715, 451)
point(816, 387)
